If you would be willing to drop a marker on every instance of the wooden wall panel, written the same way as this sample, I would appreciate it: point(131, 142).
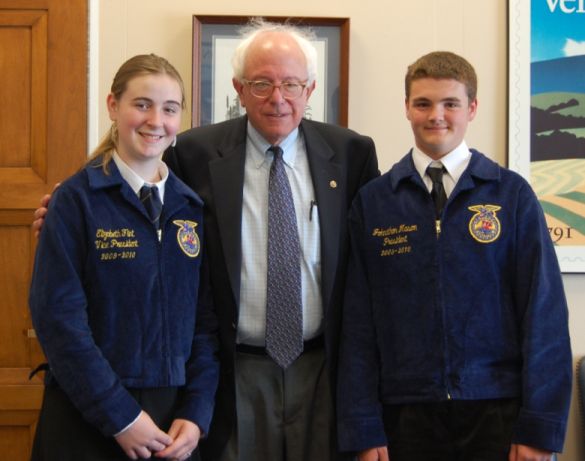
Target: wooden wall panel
point(23, 67)
point(15, 255)
point(43, 137)
point(15, 95)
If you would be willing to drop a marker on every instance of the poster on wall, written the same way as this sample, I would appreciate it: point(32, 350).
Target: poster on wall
point(546, 115)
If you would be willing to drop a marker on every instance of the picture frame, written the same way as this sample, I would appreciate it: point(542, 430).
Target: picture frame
point(214, 40)
point(546, 116)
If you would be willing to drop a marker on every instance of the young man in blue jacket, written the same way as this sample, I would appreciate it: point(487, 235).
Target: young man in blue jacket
point(455, 341)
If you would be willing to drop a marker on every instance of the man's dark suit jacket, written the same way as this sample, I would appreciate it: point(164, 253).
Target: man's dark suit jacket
point(210, 159)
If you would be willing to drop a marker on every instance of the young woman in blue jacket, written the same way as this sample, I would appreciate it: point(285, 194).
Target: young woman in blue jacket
point(119, 297)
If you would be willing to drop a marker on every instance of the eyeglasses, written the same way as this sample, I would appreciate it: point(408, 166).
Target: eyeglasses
point(263, 88)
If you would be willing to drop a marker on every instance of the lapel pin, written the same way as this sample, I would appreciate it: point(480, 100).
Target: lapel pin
point(333, 184)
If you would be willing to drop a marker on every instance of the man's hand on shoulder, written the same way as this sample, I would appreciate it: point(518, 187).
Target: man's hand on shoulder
point(41, 212)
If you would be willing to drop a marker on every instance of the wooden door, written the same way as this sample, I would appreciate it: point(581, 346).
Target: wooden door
point(43, 113)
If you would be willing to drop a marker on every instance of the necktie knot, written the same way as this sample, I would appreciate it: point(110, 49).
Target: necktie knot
point(436, 173)
point(150, 198)
point(276, 150)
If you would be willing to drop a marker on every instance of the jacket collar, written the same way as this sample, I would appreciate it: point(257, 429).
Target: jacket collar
point(480, 168)
point(98, 180)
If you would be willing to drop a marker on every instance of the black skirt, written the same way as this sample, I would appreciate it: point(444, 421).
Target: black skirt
point(63, 435)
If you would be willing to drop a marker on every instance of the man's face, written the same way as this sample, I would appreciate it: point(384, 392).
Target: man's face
point(275, 58)
point(439, 111)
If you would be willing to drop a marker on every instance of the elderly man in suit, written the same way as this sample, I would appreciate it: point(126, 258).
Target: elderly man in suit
point(266, 411)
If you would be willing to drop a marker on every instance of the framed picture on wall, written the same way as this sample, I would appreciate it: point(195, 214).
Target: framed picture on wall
point(214, 41)
point(546, 115)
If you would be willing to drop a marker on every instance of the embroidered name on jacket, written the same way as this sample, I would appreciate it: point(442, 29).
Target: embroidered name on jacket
point(187, 237)
point(113, 244)
point(394, 239)
point(484, 225)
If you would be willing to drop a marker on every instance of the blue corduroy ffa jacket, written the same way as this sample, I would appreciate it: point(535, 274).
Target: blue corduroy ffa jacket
point(114, 308)
point(476, 312)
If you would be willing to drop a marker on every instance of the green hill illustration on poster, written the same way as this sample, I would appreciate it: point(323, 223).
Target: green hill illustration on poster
point(557, 117)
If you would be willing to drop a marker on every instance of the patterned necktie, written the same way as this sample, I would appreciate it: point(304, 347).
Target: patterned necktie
point(151, 200)
point(284, 317)
point(438, 192)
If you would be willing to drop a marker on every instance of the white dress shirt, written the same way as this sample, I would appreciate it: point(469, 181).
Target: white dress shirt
point(136, 182)
point(252, 312)
point(455, 162)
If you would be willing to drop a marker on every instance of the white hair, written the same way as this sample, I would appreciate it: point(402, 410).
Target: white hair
point(303, 37)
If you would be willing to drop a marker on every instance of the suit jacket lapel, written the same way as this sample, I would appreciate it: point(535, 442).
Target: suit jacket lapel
point(329, 189)
point(227, 183)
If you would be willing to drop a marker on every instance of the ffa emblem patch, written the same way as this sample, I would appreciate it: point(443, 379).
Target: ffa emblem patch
point(187, 237)
point(484, 226)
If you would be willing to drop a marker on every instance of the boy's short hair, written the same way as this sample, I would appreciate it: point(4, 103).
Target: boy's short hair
point(442, 65)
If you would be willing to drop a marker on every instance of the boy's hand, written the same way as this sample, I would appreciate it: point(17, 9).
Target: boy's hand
point(526, 453)
point(374, 454)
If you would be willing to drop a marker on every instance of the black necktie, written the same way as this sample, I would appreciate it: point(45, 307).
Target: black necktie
point(150, 198)
point(438, 191)
point(284, 316)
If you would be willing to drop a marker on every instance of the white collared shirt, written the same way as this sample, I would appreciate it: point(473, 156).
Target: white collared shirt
point(252, 312)
point(136, 182)
point(455, 162)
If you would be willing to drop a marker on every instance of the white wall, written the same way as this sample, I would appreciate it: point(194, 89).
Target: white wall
point(385, 37)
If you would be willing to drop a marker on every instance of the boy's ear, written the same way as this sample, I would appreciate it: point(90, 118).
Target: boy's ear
point(472, 109)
